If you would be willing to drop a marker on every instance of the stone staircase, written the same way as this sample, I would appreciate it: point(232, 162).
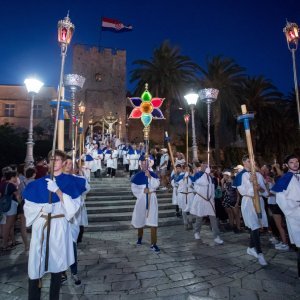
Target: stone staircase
point(110, 205)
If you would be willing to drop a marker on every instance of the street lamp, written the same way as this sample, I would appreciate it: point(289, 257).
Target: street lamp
point(192, 101)
point(81, 108)
point(33, 87)
point(208, 96)
point(186, 118)
point(291, 31)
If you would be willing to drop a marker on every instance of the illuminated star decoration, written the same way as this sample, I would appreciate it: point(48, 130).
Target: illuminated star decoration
point(146, 108)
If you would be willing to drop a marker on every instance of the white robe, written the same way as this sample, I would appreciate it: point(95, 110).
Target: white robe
point(289, 202)
point(112, 160)
point(124, 154)
point(133, 160)
point(97, 160)
point(61, 253)
point(175, 189)
point(185, 193)
point(140, 216)
point(200, 207)
point(80, 218)
point(248, 211)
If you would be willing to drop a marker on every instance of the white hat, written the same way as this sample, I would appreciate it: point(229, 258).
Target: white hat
point(164, 149)
point(238, 167)
point(227, 173)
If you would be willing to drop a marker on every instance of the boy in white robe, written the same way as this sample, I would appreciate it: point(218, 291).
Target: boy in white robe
point(287, 190)
point(243, 182)
point(174, 182)
point(144, 185)
point(65, 203)
point(133, 156)
point(204, 203)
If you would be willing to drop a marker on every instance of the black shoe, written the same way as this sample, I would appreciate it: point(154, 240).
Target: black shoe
point(76, 279)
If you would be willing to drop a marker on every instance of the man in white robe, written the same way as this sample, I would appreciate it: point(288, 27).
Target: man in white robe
point(287, 190)
point(204, 203)
point(133, 156)
point(144, 185)
point(244, 183)
point(66, 194)
point(174, 182)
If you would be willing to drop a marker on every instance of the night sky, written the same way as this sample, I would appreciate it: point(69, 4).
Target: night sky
point(248, 31)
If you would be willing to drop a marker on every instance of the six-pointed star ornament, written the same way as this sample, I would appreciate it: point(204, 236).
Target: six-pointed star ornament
point(146, 108)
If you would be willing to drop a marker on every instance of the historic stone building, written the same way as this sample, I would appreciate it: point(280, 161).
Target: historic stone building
point(15, 105)
point(104, 91)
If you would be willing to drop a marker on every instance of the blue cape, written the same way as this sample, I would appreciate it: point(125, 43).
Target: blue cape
point(140, 178)
point(37, 192)
point(238, 179)
point(131, 151)
point(197, 175)
point(100, 151)
point(282, 183)
point(150, 157)
point(88, 158)
point(107, 151)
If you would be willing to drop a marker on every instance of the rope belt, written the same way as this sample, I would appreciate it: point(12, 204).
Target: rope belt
point(186, 195)
point(208, 200)
point(42, 240)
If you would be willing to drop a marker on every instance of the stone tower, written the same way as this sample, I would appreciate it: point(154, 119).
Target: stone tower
point(104, 91)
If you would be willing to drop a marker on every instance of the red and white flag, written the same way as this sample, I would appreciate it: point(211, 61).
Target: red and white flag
point(114, 25)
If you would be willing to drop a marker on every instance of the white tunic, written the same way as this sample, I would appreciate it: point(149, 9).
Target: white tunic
point(203, 203)
point(133, 160)
point(185, 193)
point(140, 216)
point(289, 202)
point(80, 218)
point(97, 160)
point(124, 154)
point(112, 160)
point(61, 253)
point(248, 211)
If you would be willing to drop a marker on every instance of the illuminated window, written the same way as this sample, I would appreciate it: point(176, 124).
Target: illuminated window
point(9, 110)
point(37, 111)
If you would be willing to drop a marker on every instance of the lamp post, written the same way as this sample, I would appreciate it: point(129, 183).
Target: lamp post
point(33, 87)
point(208, 96)
point(192, 101)
point(74, 82)
point(64, 34)
point(81, 108)
point(186, 118)
point(291, 31)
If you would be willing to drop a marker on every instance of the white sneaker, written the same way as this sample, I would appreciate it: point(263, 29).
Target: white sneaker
point(261, 259)
point(273, 240)
point(163, 188)
point(197, 236)
point(252, 251)
point(218, 241)
point(282, 247)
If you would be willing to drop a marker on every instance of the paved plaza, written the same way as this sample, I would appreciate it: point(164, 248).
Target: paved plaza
point(111, 266)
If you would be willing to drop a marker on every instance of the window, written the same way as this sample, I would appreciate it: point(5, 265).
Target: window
point(9, 110)
point(37, 111)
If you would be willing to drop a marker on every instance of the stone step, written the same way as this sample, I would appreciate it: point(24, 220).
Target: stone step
point(125, 225)
point(123, 208)
point(131, 201)
point(124, 216)
point(120, 193)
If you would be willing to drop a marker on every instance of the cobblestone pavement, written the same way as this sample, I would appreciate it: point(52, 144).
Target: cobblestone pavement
point(111, 266)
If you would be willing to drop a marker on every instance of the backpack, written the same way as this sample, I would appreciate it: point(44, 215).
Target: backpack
point(5, 201)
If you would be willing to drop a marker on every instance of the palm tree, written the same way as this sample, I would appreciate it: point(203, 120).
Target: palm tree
point(269, 132)
point(225, 75)
point(166, 73)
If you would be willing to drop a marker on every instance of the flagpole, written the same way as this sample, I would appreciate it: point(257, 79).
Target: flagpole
point(100, 37)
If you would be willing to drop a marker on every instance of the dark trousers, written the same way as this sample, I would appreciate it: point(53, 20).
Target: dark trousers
point(126, 167)
point(80, 235)
point(255, 240)
point(111, 172)
point(74, 266)
point(34, 290)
